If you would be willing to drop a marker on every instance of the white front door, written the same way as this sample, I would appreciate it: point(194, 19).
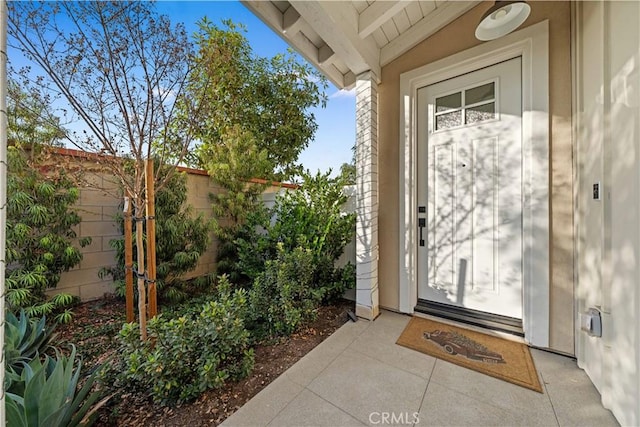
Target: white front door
point(470, 190)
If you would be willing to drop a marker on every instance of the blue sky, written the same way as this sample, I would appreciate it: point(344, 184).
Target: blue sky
point(332, 144)
point(335, 136)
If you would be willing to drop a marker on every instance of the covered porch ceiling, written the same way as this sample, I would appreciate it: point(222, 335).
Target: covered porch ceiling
point(346, 38)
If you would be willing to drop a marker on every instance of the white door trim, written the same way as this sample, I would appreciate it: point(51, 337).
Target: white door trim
point(532, 44)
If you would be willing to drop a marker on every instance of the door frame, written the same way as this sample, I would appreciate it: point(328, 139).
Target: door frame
point(532, 44)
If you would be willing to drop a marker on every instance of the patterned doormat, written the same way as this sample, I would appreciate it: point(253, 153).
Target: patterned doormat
point(500, 358)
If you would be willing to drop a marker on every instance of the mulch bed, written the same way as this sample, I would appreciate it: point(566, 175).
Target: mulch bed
point(94, 331)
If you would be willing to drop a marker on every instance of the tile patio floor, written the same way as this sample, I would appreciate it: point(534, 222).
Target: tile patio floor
point(359, 373)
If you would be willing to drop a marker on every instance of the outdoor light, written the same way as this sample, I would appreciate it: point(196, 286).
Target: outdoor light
point(501, 19)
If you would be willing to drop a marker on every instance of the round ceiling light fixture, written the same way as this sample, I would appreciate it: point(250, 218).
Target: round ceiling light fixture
point(501, 19)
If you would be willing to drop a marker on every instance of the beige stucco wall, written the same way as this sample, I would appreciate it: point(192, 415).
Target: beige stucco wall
point(608, 244)
point(456, 37)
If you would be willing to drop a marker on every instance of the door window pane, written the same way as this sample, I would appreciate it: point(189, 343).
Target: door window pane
point(449, 102)
point(448, 120)
point(480, 113)
point(474, 95)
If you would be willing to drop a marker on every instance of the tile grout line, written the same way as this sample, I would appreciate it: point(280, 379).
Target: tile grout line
point(424, 395)
point(474, 398)
point(335, 406)
point(332, 359)
point(305, 387)
point(283, 408)
point(357, 350)
point(546, 390)
point(466, 393)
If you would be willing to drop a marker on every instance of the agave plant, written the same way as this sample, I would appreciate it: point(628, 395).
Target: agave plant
point(46, 394)
point(25, 338)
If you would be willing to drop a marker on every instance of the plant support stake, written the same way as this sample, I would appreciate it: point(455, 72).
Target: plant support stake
point(151, 238)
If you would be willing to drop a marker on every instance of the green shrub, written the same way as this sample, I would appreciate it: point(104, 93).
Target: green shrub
point(46, 393)
point(24, 339)
point(40, 235)
point(284, 297)
point(341, 279)
point(181, 238)
point(310, 217)
point(245, 248)
point(187, 355)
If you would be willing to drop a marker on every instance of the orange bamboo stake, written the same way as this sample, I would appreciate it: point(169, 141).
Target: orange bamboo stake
point(128, 259)
point(151, 238)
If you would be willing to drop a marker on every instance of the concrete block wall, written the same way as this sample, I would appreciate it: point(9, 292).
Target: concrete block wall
point(97, 205)
point(199, 186)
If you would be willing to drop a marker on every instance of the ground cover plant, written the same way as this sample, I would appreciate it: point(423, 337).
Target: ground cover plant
point(48, 393)
point(25, 338)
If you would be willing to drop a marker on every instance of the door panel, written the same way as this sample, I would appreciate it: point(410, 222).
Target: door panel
point(470, 174)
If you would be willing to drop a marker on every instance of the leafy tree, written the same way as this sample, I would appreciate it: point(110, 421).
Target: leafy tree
point(181, 239)
point(122, 71)
point(348, 170)
point(256, 117)
point(348, 173)
point(268, 98)
point(30, 119)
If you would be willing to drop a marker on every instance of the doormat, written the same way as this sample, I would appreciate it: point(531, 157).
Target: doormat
point(497, 357)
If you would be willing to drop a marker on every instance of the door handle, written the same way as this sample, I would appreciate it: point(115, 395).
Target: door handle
point(422, 222)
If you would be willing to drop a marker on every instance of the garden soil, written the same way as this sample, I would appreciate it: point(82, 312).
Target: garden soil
point(94, 331)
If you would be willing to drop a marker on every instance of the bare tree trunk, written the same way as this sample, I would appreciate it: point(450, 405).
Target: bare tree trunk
point(128, 257)
point(142, 294)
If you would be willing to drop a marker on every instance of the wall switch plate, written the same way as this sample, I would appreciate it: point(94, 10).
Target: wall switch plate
point(596, 191)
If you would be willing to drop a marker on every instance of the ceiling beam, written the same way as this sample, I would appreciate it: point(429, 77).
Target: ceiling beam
point(434, 21)
point(267, 12)
point(291, 29)
point(337, 24)
point(291, 21)
point(377, 14)
point(325, 54)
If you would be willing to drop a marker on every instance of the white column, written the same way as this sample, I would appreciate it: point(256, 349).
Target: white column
point(367, 305)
